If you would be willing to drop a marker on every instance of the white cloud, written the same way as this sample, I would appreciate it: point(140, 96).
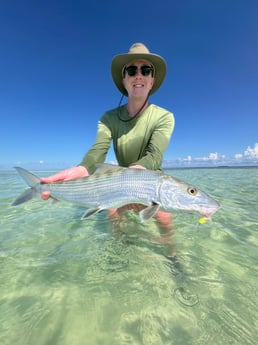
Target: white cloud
point(252, 152)
point(238, 156)
point(214, 156)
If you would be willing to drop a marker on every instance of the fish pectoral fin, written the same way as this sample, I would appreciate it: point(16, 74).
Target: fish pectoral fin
point(54, 200)
point(148, 212)
point(90, 212)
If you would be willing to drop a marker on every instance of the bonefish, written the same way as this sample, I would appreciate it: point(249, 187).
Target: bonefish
point(113, 186)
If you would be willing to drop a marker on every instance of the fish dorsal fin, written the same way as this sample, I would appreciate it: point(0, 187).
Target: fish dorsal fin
point(102, 167)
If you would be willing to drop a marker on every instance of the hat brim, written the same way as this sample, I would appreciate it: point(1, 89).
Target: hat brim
point(119, 61)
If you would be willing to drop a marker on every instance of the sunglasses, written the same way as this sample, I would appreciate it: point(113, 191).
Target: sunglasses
point(132, 70)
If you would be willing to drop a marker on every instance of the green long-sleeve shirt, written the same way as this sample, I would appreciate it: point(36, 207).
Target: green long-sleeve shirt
point(142, 140)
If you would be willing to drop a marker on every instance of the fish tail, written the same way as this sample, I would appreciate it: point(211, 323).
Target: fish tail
point(32, 181)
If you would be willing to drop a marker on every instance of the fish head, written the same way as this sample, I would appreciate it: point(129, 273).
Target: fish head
point(176, 194)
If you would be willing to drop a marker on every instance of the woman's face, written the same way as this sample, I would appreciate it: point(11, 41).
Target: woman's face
point(138, 78)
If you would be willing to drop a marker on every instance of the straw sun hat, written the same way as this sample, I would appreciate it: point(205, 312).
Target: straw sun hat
point(138, 51)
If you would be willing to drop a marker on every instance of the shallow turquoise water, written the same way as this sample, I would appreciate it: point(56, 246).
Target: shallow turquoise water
point(70, 281)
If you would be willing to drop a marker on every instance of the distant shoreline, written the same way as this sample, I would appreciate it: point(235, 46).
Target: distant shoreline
point(214, 167)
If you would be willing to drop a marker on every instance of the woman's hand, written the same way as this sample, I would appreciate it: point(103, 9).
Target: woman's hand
point(64, 175)
point(137, 166)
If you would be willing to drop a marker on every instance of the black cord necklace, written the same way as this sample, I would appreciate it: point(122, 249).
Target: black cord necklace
point(133, 117)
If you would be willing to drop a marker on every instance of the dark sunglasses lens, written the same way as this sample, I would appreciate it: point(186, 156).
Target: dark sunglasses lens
point(146, 70)
point(131, 70)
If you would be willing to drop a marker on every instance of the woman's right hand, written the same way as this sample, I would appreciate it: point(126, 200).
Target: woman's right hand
point(64, 175)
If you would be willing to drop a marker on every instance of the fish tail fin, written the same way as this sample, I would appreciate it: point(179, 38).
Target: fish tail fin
point(30, 193)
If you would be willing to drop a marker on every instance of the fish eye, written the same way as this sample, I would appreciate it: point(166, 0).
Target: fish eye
point(192, 190)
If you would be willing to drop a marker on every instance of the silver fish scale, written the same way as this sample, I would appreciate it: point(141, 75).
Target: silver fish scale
point(110, 188)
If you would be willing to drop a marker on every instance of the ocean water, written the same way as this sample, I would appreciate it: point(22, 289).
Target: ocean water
point(67, 281)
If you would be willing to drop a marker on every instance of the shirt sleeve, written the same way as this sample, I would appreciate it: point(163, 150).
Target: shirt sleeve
point(98, 151)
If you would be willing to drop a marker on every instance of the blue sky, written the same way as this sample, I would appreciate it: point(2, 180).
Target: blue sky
point(55, 80)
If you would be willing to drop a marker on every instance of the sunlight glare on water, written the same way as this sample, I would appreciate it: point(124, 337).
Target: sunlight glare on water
point(70, 281)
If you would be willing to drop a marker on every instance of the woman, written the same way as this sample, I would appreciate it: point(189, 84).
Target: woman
point(140, 131)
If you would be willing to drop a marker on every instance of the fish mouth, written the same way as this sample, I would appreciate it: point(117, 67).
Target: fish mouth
point(209, 211)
